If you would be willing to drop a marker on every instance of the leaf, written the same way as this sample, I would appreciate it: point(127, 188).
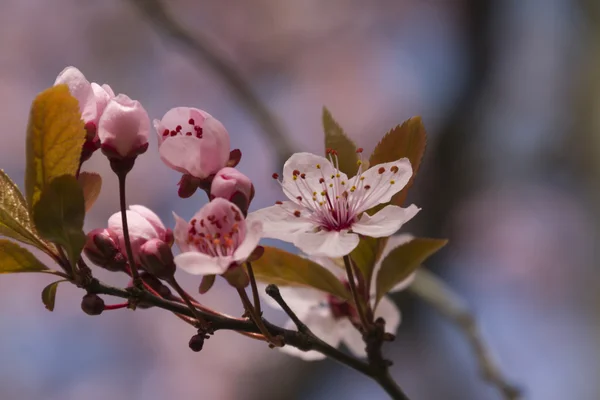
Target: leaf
point(286, 269)
point(403, 261)
point(15, 221)
point(14, 258)
point(366, 255)
point(49, 294)
point(59, 215)
point(55, 136)
point(91, 184)
point(406, 140)
point(336, 139)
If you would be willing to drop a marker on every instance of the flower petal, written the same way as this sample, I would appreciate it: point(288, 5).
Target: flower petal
point(306, 163)
point(352, 338)
point(138, 226)
point(253, 236)
point(151, 217)
point(387, 310)
point(386, 222)
point(323, 325)
point(329, 244)
point(280, 223)
point(380, 178)
point(197, 157)
point(196, 263)
point(181, 233)
point(81, 89)
point(102, 97)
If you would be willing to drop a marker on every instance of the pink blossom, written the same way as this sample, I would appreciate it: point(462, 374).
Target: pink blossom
point(231, 184)
point(192, 142)
point(143, 225)
point(217, 238)
point(123, 128)
point(326, 211)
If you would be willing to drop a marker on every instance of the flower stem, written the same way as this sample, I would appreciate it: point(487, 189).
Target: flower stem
point(203, 323)
point(134, 273)
point(257, 319)
point(273, 291)
point(355, 295)
point(254, 289)
point(116, 306)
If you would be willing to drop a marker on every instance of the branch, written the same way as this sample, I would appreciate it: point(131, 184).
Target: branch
point(437, 294)
point(204, 53)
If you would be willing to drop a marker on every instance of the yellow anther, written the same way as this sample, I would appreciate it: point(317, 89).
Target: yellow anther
point(323, 193)
point(358, 162)
point(362, 178)
point(392, 182)
point(331, 185)
point(321, 203)
point(353, 188)
point(294, 177)
point(318, 166)
point(343, 183)
point(337, 175)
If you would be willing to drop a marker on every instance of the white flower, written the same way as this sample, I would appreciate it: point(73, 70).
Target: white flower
point(333, 320)
point(326, 211)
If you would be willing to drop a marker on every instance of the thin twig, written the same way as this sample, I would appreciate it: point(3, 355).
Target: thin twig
point(251, 312)
point(442, 298)
point(273, 291)
point(203, 323)
point(123, 203)
point(205, 54)
point(358, 303)
point(254, 289)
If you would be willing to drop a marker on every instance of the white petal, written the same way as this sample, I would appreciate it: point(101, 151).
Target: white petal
point(323, 325)
point(386, 222)
point(352, 338)
point(280, 223)
point(151, 217)
point(306, 163)
point(392, 242)
point(329, 244)
point(387, 310)
point(196, 263)
point(253, 236)
point(139, 227)
point(382, 189)
point(181, 233)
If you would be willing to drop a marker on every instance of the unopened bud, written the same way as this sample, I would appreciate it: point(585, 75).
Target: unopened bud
point(232, 185)
point(197, 342)
point(103, 250)
point(237, 277)
point(157, 258)
point(92, 304)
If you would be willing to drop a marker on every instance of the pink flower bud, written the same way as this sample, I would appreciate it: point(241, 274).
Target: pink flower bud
point(123, 128)
point(192, 142)
point(156, 258)
point(103, 250)
point(232, 185)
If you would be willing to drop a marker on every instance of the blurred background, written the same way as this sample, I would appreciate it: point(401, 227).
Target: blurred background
point(509, 91)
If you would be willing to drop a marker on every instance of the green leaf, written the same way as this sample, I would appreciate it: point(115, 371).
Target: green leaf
point(406, 140)
point(49, 294)
point(91, 184)
point(55, 136)
point(336, 139)
point(15, 221)
point(14, 258)
point(403, 261)
point(59, 215)
point(366, 255)
point(286, 269)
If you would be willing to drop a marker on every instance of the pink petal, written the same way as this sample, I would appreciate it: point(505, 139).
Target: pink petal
point(386, 222)
point(102, 97)
point(196, 263)
point(382, 189)
point(181, 233)
point(352, 338)
point(330, 244)
point(251, 240)
point(81, 89)
point(151, 217)
point(124, 125)
point(280, 223)
point(190, 155)
point(306, 163)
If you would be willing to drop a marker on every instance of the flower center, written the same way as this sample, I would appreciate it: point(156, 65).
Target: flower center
point(216, 236)
point(332, 201)
point(192, 130)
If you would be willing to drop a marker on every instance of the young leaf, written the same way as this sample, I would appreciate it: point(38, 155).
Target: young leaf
point(14, 258)
point(55, 136)
point(59, 215)
point(15, 221)
point(403, 261)
point(91, 184)
point(49, 294)
point(406, 140)
point(286, 269)
point(336, 139)
point(366, 255)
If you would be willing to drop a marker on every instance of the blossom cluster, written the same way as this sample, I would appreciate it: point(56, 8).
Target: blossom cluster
point(325, 216)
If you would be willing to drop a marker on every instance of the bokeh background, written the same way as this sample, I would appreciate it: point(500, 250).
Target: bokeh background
point(509, 91)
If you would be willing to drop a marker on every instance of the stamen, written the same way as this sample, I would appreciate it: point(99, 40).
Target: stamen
point(392, 181)
point(166, 132)
point(359, 150)
point(394, 169)
point(381, 170)
point(303, 176)
point(321, 180)
point(191, 121)
point(188, 134)
point(279, 202)
point(275, 175)
point(178, 128)
point(297, 213)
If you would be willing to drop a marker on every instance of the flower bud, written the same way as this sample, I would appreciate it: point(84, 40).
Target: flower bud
point(156, 258)
point(234, 186)
point(123, 128)
point(92, 304)
point(197, 342)
point(103, 250)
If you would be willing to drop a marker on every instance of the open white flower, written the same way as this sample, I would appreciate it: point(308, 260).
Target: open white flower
point(326, 211)
point(334, 320)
